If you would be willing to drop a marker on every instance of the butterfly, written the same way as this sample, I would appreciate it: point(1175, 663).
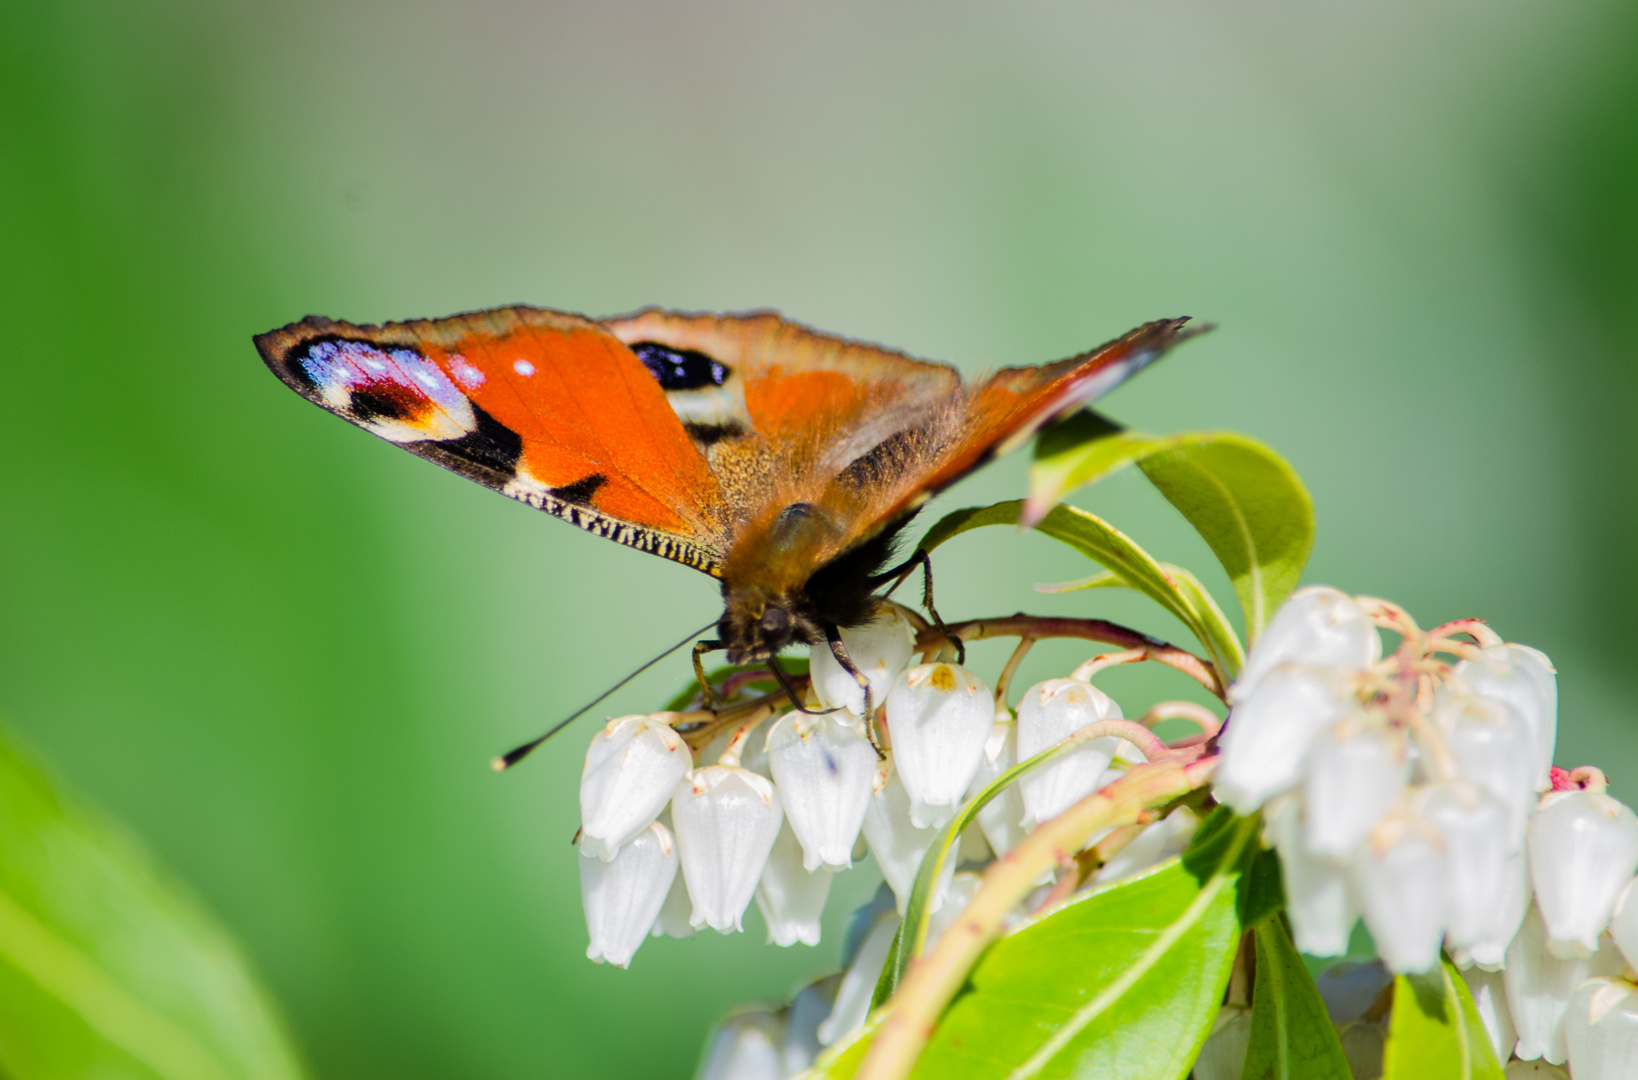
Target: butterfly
point(782, 461)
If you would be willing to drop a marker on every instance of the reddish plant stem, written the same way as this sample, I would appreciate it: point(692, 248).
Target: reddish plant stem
point(1100, 630)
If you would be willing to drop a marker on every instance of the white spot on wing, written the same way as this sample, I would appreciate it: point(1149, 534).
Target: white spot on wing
point(465, 373)
point(523, 367)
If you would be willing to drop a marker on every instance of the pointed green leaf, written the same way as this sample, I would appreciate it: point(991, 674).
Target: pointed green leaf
point(1122, 982)
point(1435, 1033)
point(1100, 541)
point(1242, 497)
point(1291, 1033)
point(107, 966)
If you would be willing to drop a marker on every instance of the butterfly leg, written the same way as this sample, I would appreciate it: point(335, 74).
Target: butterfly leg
point(899, 573)
point(700, 649)
point(785, 684)
point(833, 638)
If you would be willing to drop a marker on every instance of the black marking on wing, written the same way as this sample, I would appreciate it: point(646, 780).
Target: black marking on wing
point(368, 405)
point(581, 491)
point(709, 434)
point(491, 444)
point(680, 369)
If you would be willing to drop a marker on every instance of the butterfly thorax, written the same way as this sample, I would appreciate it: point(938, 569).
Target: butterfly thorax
point(791, 581)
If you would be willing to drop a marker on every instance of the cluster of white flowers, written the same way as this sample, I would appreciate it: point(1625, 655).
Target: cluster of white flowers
point(1418, 791)
point(673, 840)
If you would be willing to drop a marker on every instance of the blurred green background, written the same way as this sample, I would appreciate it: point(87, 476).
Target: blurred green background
point(283, 652)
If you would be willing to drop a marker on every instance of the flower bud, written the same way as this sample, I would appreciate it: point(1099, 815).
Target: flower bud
point(1318, 893)
point(1223, 1054)
point(1317, 626)
point(1524, 678)
point(1492, 746)
point(895, 842)
point(824, 767)
point(1403, 885)
point(859, 981)
point(1268, 736)
point(1489, 992)
point(880, 649)
point(1507, 912)
point(676, 911)
point(1157, 842)
point(1624, 923)
point(1353, 777)
point(1481, 857)
point(1583, 851)
point(790, 897)
point(622, 897)
point(939, 716)
point(1002, 818)
point(727, 819)
point(1539, 986)
point(1049, 713)
point(809, 1008)
point(1601, 1029)
point(632, 767)
point(746, 1047)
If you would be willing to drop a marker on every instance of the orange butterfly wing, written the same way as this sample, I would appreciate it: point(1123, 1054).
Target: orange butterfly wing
point(544, 407)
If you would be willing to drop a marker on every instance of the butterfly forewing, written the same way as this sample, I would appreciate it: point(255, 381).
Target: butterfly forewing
point(547, 408)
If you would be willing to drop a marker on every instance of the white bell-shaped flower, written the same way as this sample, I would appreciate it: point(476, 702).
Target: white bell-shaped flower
point(1223, 1054)
point(1583, 851)
point(1624, 923)
point(1049, 713)
point(1489, 992)
point(1269, 735)
point(1507, 913)
point(824, 766)
point(1002, 818)
point(811, 1006)
point(1318, 626)
point(1318, 891)
point(895, 842)
point(1481, 856)
point(623, 897)
point(1525, 679)
point(1539, 986)
point(880, 649)
point(1157, 842)
point(676, 911)
point(791, 898)
point(957, 895)
point(1355, 773)
point(1601, 1030)
point(727, 819)
point(1403, 886)
point(632, 767)
point(859, 981)
point(939, 716)
point(1491, 745)
point(746, 1047)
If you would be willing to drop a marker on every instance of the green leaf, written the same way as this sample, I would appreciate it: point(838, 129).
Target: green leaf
point(1182, 595)
point(1291, 1033)
point(1123, 982)
point(1243, 498)
point(1435, 1033)
point(107, 966)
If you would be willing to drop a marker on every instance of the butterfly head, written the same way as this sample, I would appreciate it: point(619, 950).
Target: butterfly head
point(755, 625)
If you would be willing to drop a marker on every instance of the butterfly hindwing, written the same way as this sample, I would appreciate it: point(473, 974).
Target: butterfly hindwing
point(544, 407)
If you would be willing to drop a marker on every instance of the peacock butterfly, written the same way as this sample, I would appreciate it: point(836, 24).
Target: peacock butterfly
point(782, 461)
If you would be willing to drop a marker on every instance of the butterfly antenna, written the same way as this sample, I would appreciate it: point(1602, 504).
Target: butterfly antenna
point(512, 757)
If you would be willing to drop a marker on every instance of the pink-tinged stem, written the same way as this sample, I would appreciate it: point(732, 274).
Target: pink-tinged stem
point(1477, 629)
point(933, 978)
point(1101, 630)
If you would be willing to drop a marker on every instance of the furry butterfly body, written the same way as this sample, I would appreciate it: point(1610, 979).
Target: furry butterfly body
point(782, 461)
